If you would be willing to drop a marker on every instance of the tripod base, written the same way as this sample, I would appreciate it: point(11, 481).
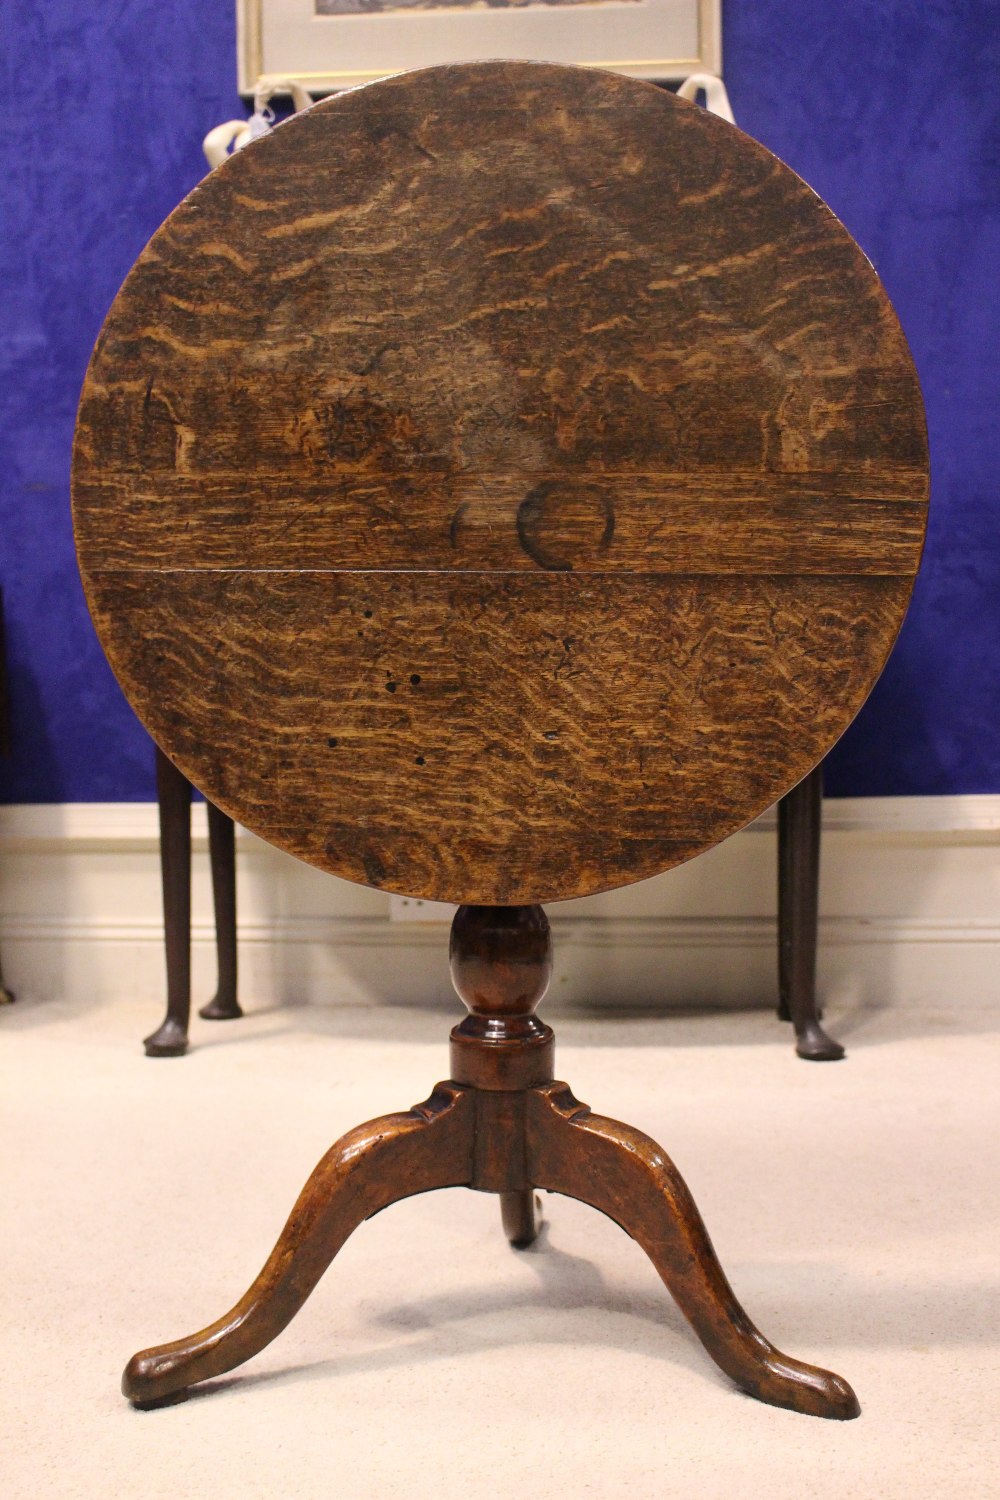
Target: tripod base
point(497, 1126)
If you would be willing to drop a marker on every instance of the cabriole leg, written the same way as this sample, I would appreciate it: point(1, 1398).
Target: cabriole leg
point(624, 1174)
point(519, 1214)
point(372, 1166)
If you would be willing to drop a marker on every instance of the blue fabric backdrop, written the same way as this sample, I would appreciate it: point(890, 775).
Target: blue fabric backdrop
point(889, 109)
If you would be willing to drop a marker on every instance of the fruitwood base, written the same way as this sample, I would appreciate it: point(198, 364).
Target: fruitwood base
point(500, 1125)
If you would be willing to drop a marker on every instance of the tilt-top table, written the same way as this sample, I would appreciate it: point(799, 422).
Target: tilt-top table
point(498, 485)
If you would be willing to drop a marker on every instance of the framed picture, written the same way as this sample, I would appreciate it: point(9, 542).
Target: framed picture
point(335, 44)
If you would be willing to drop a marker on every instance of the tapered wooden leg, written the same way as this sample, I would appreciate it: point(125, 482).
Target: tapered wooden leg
point(799, 831)
point(430, 1146)
point(224, 1005)
point(624, 1174)
point(519, 1214)
point(173, 792)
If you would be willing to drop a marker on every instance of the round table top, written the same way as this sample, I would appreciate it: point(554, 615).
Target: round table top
point(500, 483)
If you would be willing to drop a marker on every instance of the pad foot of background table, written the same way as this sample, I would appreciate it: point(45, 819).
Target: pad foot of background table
point(168, 1040)
point(221, 1008)
point(815, 1045)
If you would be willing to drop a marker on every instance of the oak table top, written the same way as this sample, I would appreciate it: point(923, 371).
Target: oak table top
point(499, 484)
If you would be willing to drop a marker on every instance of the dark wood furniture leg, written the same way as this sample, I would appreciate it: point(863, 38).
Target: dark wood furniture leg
point(520, 1217)
point(499, 1125)
point(429, 1146)
point(799, 830)
point(173, 792)
point(224, 1005)
point(174, 798)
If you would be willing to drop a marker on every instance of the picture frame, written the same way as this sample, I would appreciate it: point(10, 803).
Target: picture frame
point(329, 45)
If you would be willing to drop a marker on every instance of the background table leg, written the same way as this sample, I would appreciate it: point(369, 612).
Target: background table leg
point(174, 797)
point(799, 830)
point(224, 1005)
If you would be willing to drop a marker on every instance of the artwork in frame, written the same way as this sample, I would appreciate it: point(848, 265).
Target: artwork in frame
point(336, 44)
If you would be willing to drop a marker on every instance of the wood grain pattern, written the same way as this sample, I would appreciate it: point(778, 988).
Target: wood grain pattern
point(499, 484)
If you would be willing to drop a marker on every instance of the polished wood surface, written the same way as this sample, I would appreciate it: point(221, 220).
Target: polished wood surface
point(369, 1168)
point(632, 1180)
point(500, 483)
point(506, 1130)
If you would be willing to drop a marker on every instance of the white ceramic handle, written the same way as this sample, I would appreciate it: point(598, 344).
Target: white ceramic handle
point(217, 143)
point(234, 134)
point(716, 98)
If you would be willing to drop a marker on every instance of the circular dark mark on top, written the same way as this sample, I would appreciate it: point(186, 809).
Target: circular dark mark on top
point(562, 525)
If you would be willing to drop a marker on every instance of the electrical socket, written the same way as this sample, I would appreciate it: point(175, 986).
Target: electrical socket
point(410, 909)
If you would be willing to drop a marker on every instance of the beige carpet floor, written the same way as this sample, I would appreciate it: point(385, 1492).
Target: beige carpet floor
point(855, 1207)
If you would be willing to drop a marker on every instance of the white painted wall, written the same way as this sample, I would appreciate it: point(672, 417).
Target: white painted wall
point(910, 903)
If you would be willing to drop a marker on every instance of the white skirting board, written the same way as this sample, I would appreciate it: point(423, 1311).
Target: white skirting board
point(910, 914)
